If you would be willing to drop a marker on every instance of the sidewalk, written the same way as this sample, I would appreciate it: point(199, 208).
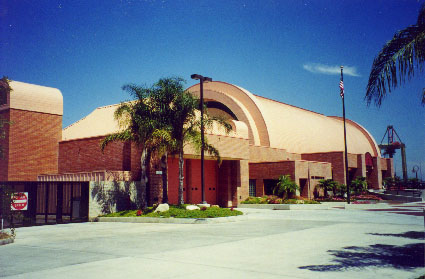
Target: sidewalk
point(330, 243)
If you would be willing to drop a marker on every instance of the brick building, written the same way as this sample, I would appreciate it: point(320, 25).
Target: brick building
point(269, 138)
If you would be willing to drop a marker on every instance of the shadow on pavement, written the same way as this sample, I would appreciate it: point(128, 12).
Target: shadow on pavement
point(409, 234)
point(408, 256)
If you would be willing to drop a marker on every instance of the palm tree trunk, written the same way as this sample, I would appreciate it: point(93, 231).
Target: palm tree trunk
point(164, 162)
point(143, 177)
point(148, 173)
point(181, 177)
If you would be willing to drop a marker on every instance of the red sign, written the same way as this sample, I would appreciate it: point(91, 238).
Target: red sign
point(19, 201)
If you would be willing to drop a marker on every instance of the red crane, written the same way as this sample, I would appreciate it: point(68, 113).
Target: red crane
point(390, 148)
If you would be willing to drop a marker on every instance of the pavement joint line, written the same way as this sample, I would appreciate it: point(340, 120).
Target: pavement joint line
point(224, 267)
point(58, 267)
point(60, 249)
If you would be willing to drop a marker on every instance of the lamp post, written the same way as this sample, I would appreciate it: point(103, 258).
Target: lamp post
point(201, 107)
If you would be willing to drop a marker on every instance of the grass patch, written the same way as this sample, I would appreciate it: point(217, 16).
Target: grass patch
point(179, 212)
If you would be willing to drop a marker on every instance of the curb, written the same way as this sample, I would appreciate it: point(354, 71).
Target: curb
point(171, 220)
point(7, 241)
point(286, 206)
point(353, 206)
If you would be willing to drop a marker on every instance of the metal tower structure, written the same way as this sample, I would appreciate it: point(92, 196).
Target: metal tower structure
point(391, 146)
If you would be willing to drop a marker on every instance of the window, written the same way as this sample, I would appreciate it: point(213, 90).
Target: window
point(252, 188)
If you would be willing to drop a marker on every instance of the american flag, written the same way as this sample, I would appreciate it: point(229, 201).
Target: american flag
point(341, 86)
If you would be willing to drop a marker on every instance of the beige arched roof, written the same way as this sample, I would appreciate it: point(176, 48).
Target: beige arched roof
point(101, 122)
point(278, 125)
point(31, 97)
point(242, 103)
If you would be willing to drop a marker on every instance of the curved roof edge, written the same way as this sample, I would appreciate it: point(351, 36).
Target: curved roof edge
point(249, 102)
point(376, 150)
point(37, 98)
point(101, 122)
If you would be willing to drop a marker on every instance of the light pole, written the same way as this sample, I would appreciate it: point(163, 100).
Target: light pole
point(201, 107)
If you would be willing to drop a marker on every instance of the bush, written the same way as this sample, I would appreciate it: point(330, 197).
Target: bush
point(276, 200)
point(285, 187)
point(359, 185)
point(179, 212)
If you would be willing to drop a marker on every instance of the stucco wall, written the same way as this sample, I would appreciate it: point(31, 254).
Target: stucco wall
point(112, 196)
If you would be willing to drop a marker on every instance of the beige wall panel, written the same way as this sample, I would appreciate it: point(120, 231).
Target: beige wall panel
point(31, 97)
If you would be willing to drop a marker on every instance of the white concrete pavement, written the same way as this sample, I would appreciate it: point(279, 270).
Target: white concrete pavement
point(265, 244)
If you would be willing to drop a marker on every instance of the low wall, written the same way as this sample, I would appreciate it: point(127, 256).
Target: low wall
point(112, 196)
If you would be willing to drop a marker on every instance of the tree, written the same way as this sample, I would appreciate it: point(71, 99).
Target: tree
point(4, 90)
point(359, 184)
point(285, 187)
point(162, 120)
point(137, 124)
point(328, 185)
point(166, 90)
point(399, 58)
point(183, 123)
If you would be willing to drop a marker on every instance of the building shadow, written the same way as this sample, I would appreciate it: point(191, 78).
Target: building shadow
point(409, 256)
point(409, 234)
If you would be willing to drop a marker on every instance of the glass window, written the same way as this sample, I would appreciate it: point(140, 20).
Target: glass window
point(252, 188)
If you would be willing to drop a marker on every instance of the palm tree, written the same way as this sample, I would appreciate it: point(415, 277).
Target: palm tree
point(328, 184)
point(137, 123)
point(184, 125)
point(399, 58)
point(4, 90)
point(359, 184)
point(162, 120)
point(285, 187)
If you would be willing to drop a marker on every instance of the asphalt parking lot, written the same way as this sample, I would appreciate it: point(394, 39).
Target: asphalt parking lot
point(265, 244)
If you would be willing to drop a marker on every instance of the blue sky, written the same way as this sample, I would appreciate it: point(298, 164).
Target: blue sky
point(276, 49)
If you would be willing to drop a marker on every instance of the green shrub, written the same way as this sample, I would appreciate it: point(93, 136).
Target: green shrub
point(252, 200)
point(285, 187)
point(179, 212)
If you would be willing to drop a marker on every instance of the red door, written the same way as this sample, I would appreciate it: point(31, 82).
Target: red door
point(194, 194)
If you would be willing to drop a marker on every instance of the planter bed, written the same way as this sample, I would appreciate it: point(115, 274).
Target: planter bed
point(172, 220)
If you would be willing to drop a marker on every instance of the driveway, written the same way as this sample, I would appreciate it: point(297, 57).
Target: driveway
point(332, 243)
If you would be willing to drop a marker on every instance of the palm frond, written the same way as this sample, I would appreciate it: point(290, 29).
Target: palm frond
point(423, 96)
point(399, 59)
point(122, 136)
point(220, 120)
point(212, 151)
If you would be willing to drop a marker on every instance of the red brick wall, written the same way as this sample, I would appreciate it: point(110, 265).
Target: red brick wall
point(33, 144)
point(135, 163)
point(335, 158)
point(271, 170)
point(85, 155)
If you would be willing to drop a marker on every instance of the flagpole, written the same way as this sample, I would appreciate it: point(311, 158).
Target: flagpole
point(341, 85)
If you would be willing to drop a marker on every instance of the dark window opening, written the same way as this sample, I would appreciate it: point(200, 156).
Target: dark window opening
point(220, 106)
point(269, 185)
